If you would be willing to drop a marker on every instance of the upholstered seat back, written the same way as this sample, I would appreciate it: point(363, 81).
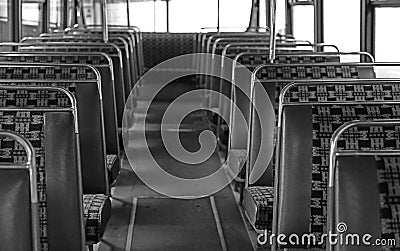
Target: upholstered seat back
point(102, 63)
point(311, 114)
point(90, 121)
point(52, 134)
point(110, 49)
point(367, 187)
point(267, 75)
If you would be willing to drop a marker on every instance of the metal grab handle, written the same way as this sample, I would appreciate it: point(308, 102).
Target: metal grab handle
point(322, 45)
point(356, 123)
point(334, 153)
point(31, 165)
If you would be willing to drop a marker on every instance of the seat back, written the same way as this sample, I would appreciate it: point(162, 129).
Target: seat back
point(365, 184)
point(91, 127)
point(252, 62)
point(117, 41)
point(269, 76)
point(110, 49)
point(101, 62)
point(53, 135)
point(311, 113)
point(20, 224)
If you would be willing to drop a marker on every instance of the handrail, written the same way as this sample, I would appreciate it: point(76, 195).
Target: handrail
point(272, 40)
point(31, 165)
point(334, 152)
point(105, 20)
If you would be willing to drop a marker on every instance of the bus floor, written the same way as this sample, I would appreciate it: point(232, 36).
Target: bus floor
point(145, 220)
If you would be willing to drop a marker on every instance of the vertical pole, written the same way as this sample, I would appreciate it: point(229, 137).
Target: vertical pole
point(105, 21)
point(272, 40)
point(367, 29)
point(318, 22)
point(219, 9)
point(254, 22)
point(16, 31)
point(167, 2)
point(65, 13)
point(128, 10)
point(154, 15)
point(46, 16)
point(289, 18)
point(82, 14)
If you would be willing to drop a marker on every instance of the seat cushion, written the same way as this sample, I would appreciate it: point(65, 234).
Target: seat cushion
point(97, 213)
point(113, 167)
point(258, 203)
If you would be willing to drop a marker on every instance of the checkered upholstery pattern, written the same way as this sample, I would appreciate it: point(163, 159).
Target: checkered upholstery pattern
point(64, 59)
point(307, 72)
point(34, 98)
point(343, 93)
point(159, 47)
point(251, 61)
point(31, 126)
point(262, 199)
point(108, 49)
point(389, 189)
point(96, 209)
point(327, 118)
point(45, 73)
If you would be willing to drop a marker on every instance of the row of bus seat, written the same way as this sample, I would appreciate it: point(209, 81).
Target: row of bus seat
point(336, 140)
point(62, 100)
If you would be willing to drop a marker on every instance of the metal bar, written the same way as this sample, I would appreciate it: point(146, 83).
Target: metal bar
point(367, 28)
point(318, 23)
point(336, 136)
point(254, 22)
point(289, 18)
point(105, 20)
point(128, 10)
point(16, 14)
point(272, 40)
point(219, 9)
point(65, 10)
point(31, 165)
point(167, 2)
point(46, 17)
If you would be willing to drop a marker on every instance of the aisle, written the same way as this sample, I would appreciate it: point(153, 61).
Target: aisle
point(148, 221)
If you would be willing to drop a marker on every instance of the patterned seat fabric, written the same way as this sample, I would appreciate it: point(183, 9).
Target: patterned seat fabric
point(113, 167)
point(389, 190)
point(258, 204)
point(31, 126)
point(327, 118)
point(97, 212)
point(97, 207)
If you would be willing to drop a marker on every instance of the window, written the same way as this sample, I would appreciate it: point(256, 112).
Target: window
point(192, 15)
point(234, 13)
point(387, 35)
point(149, 16)
point(32, 16)
point(117, 13)
point(5, 21)
point(303, 22)
point(280, 16)
point(56, 14)
point(344, 32)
